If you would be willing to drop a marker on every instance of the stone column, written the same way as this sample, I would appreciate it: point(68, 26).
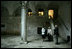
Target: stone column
point(23, 22)
point(52, 25)
point(52, 28)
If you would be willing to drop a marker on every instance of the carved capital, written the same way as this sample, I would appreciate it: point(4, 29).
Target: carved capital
point(23, 3)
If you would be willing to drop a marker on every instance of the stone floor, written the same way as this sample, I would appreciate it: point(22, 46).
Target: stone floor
point(8, 41)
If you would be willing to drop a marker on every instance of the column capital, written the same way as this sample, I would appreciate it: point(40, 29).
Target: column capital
point(23, 3)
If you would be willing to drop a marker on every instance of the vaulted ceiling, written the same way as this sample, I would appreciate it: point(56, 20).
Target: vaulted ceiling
point(12, 6)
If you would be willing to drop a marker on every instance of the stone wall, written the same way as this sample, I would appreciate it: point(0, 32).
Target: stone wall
point(65, 20)
point(12, 24)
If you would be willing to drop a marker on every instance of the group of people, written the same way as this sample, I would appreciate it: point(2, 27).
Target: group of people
point(48, 33)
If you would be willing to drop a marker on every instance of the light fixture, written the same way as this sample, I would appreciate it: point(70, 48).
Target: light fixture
point(50, 13)
point(41, 13)
point(29, 13)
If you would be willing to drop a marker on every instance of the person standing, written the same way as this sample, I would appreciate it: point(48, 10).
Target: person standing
point(56, 34)
point(43, 33)
point(49, 34)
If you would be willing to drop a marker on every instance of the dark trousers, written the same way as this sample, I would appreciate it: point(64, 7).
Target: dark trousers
point(50, 37)
point(56, 39)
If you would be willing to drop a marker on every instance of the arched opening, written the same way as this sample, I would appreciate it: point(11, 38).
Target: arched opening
point(29, 12)
point(51, 13)
point(40, 12)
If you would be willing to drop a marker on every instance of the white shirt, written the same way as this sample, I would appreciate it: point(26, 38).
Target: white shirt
point(49, 31)
point(43, 31)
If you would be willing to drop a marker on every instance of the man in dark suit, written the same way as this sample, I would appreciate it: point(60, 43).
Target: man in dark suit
point(56, 34)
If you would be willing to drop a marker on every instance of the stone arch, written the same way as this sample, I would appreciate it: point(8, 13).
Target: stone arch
point(17, 12)
point(4, 12)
